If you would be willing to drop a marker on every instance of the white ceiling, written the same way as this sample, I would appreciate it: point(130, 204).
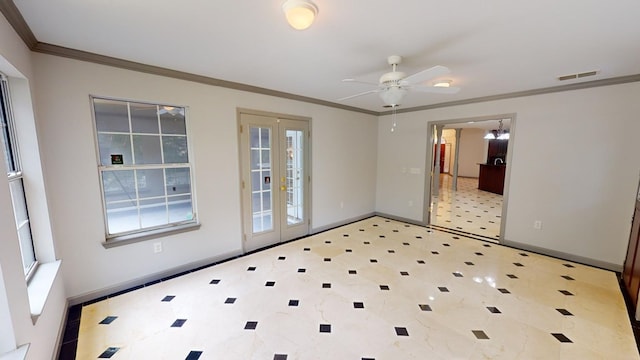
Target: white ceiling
point(492, 47)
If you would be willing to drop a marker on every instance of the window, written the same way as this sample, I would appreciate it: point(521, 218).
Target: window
point(16, 183)
point(144, 166)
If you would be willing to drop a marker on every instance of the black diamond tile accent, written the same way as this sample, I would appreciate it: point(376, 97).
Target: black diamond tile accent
point(193, 355)
point(395, 230)
point(373, 260)
point(504, 291)
point(215, 281)
point(280, 357)
point(108, 320)
point(469, 263)
point(401, 331)
point(360, 229)
point(325, 328)
point(345, 235)
point(382, 236)
point(352, 272)
point(455, 237)
point(564, 312)
point(418, 237)
point(281, 257)
point(230, 300)
point(568, 265)
point(406, 244)
point(270, 283)
point(480, 335)
point(294, 302)
point(375, 225)
point(391, 251)
point(384, 287)
point(349, 250)
point(443, 289)
point(251, 268)
point(168, 298)
point(518, 264)
point(524, 254)
point(327, 259)
point(421, 262)
point(307, 249)
point(326, 285)
point(566, 292)
point(511, 276)
point(479, 254)
point(358, 305)
point(457, 274)
point(435, 252)
point(424, 307)
point(404, 273)
point(445, 244)
point(328, 242)
point(367, 243)
point(107, 354)
point(494, 310)
point(179, 322)
point(301, 270)
point(561, 337)
point(568, 277)
point(251, 325)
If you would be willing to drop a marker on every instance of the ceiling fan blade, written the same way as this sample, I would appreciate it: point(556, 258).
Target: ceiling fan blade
point(358, 82)
point(435, 89)
point(360, 94)
point(428, 74)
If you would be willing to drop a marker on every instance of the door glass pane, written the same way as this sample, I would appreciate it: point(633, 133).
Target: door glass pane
point(261, 201)
point(294, 176)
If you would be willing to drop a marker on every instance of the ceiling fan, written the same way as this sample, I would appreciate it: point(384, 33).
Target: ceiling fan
point(393, 85)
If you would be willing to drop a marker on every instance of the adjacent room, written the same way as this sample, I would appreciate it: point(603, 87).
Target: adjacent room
point(304, 179)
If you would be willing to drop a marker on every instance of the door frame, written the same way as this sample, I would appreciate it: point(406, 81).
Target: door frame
point(430, 158)
point(309, 192)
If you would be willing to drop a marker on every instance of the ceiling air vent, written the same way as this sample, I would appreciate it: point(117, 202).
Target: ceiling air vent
point(577, 76)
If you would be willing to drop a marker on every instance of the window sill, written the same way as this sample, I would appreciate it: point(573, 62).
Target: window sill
point(149, 235)
point(17, 354)
point(40, 285)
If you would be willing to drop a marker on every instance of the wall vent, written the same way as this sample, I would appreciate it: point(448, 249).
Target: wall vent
point(577, 76)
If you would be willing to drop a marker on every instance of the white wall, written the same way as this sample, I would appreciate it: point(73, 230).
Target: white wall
point(16, 62)
point(565, 171)
point(343, 168)
point(472, 152)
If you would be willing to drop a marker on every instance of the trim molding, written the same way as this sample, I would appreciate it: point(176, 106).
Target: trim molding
point(15, 18)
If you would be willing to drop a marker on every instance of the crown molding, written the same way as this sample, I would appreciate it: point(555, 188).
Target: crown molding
point(14, 17)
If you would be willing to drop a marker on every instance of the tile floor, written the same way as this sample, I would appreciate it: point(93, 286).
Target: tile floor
point(374, 289)
point(468, 209)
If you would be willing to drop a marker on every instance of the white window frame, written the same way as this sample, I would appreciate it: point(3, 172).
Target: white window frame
point(15, 175)
point(144, 233)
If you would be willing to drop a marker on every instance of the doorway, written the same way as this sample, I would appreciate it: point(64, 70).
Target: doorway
point(274, 163)
point(457, 203)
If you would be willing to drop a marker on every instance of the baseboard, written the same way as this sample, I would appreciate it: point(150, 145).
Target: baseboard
point(564, 256)
point(340, 223)
point(152, 278)
point(400, 218)
point(61, 331)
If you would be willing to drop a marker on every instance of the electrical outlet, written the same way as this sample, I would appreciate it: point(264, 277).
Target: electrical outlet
point(537, 224)
point(157, 247)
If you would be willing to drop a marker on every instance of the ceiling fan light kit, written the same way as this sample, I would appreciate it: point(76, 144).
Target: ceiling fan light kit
point(443, 83)
point(300, 13)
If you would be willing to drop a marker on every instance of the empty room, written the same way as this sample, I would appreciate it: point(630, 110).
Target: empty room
point(319, 180)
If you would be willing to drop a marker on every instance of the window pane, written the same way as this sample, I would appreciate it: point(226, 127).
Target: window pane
point(118, 185)
point(111, 116)
point(144, 118)
point(153, 212)
point(150, 183)
point(112, 144)
point(175, 149)
point(180, 208)
point(122, 217)
point(18, 200)
point(178, 181)
point(172, 120)
point(26, 246)
point(147, 149)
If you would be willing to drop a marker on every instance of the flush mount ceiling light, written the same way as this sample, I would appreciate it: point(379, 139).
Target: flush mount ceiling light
point(443, 83)
point(300, 13)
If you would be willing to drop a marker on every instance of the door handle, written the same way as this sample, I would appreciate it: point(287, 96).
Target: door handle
point(283, 188)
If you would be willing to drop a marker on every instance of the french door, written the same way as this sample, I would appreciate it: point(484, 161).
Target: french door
point(274, 158)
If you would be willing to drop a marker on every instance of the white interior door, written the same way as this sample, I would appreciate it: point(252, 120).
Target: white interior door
point(275, 179)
